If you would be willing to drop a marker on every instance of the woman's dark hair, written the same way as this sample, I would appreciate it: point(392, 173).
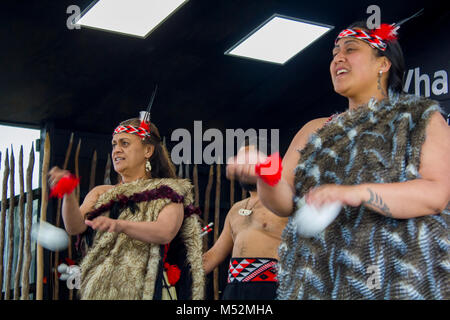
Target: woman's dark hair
point(162, 166)
point(395, 55)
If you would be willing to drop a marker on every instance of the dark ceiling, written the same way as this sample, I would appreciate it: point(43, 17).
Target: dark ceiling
point(89, 80)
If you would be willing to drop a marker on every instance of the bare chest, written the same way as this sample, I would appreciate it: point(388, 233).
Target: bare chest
point(256, 219)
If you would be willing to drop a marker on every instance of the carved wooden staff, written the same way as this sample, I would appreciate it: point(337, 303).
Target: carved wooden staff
point(180, 171)
point(206, 208)
point(77, 170)
point(28, 218)
point(21, 228)
point(231, 191)
point(196, 191)
point(10, 228)
point(216, 228)
point(44, 203)
point(107, 178)
point(244, 193)
point(3, 216)
point(77, 174)
point(58, 224)
point(93, 169)
point(187, 174)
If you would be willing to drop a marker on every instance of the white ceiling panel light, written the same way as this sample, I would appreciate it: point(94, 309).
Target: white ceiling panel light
point(278, 39)
point(132, 17)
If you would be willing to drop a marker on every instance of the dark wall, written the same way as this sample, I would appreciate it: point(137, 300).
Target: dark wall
point(427, 60)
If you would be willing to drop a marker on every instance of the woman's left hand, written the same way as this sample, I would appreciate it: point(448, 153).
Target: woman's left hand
point(328, 193)
point(105, 224)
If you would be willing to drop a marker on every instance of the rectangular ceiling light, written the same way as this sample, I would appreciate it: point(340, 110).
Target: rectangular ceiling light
point(278, 39)
point(133, 17)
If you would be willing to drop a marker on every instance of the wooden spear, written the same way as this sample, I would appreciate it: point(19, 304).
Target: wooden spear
point(107, 178)
point(206, 208)
point(44, 203)
point(196, 191)
point(21, 228)
point(180, 171)
point(77, 170)
point(3, 216)
point(216, 228)
point(10, 228)
point(187, 174)
point(58, 224)
point(77, 174)
point(231, 191)
point(28, 218)
point(244, 193)
point(93, 169)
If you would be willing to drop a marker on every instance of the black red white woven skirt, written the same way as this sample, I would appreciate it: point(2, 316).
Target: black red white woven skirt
point(251, 279)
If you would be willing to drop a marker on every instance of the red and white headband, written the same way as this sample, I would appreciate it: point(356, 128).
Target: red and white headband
point(376, 38)
point(143, 131)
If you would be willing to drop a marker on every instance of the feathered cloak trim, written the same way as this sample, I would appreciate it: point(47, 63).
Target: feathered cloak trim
point(376, 143)
point(119, 267)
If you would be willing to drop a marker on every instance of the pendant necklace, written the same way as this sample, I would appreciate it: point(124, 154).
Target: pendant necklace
point(246, 212)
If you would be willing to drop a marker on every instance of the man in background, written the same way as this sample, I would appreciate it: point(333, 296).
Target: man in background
point(252, 235)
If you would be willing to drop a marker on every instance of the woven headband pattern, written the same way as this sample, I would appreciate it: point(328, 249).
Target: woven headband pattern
point(140, 131)
point(376, 38)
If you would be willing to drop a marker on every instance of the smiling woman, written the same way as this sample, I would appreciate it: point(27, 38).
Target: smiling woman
point(135, 222)
point(385, 160)
point(391, 77)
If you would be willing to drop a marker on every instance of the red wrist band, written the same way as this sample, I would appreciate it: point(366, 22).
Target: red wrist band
point(65, 185)
point(270, 170)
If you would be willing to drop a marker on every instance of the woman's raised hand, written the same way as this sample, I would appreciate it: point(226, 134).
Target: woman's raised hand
point(55, 174)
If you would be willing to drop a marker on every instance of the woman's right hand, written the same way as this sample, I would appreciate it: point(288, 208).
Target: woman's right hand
point(55, 174)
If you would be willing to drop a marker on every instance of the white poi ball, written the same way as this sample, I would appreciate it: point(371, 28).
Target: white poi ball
point(64, 276)
point(49, 236)
point(311, 220)
point(62, 268)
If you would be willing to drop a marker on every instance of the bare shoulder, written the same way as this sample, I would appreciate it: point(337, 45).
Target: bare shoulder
point(309, 128)
point(99, 190)
point(92, 197)
point(292, 155)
